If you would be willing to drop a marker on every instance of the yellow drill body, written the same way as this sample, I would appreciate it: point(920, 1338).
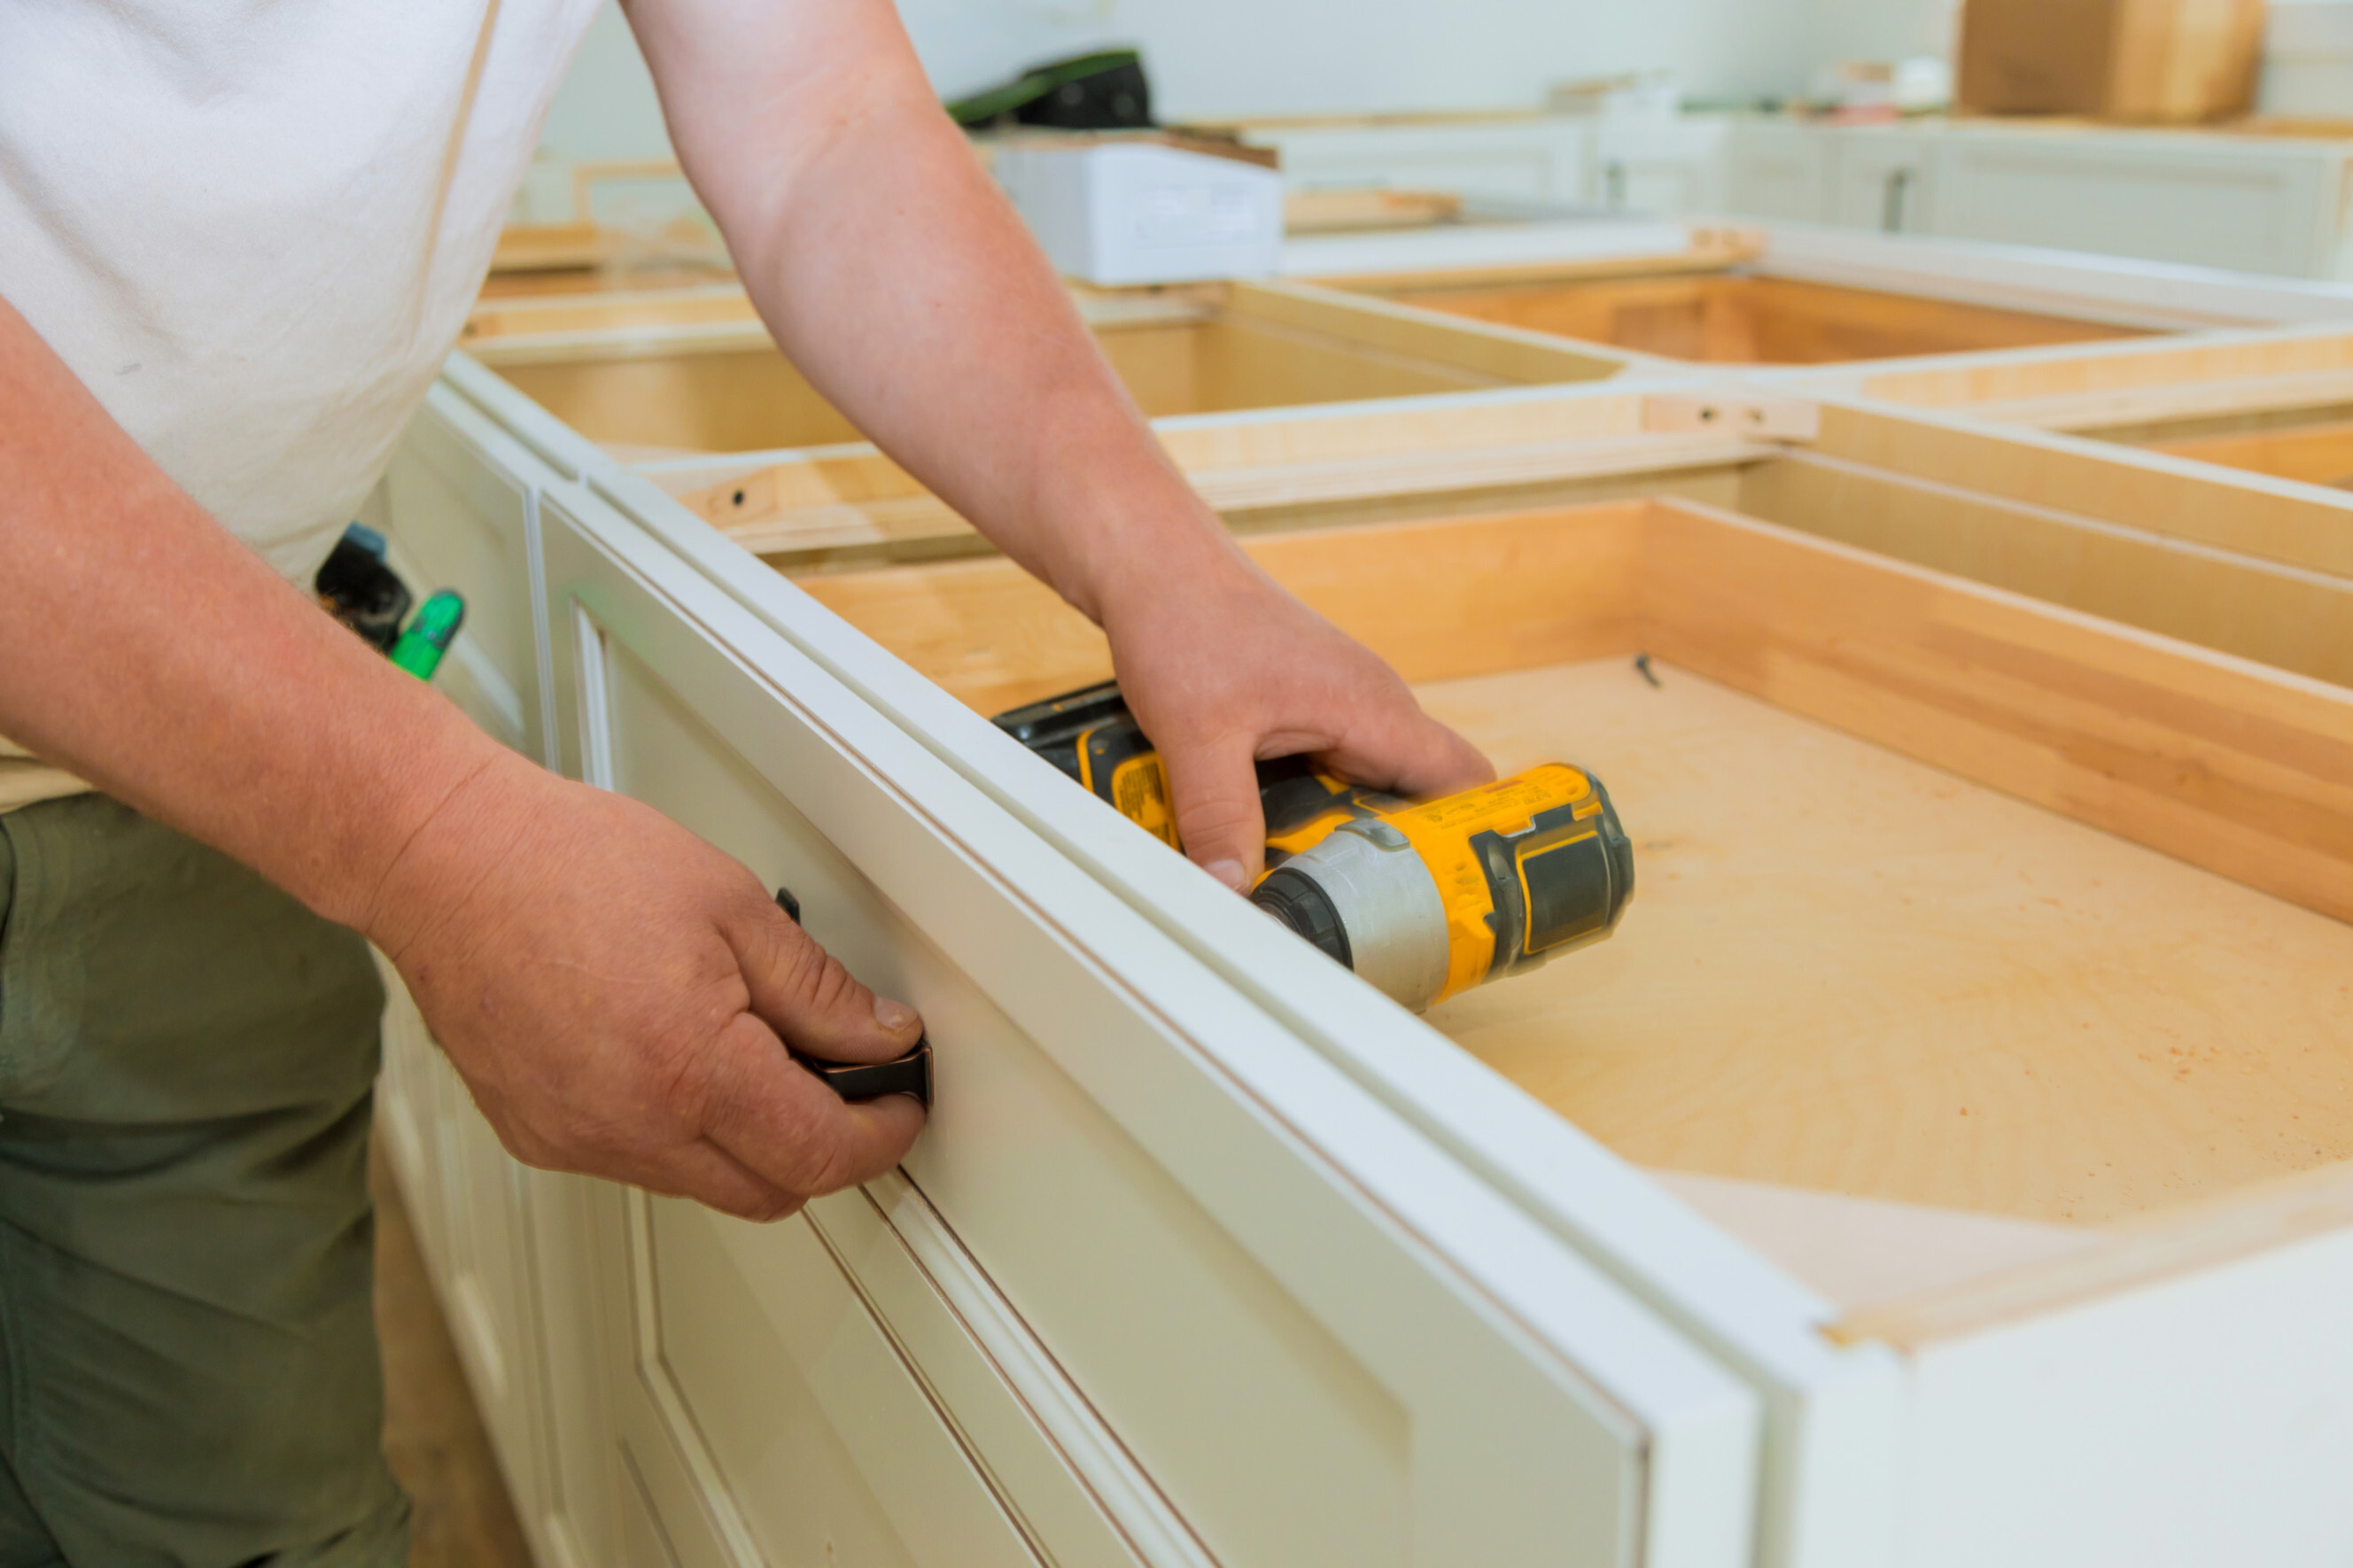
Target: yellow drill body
point(1426, 899)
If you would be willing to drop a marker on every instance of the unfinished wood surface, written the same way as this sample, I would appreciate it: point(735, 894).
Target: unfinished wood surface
point(1368, 208)
point(919, 527)
point(2280, 616)
point(719, 385)
point(2314, 454)
point(1865, 962)
point(1710, 250)
point(1541, 587)
point(2297, 527)
point(1847, 971)
point(1734, 319)
point(1504, 354)
point(2223, 763)
point(2144, 1250)
point(2144, 380)
point(862, 476)
point(1867, 1252)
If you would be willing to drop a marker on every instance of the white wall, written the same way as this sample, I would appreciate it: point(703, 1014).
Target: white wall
point(1216, 58)
point(1213, 58)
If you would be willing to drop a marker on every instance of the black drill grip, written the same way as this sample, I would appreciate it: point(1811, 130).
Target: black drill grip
point(910, 1074)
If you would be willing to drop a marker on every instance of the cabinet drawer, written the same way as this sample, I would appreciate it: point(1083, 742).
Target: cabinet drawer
point(1279, 1326)
point(1916, 917)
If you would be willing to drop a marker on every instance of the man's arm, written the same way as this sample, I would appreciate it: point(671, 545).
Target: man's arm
point(904, 286)
point(612, 987)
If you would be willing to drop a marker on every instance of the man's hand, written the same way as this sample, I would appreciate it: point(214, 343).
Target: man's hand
point(619, 995)
point(1223, 669)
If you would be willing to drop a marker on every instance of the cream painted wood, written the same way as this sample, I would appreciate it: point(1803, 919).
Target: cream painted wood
point(1882, 180)
point(1322, 1341)
point(1832, 1416)
point(2248, 204)
point(1845, 1482)
point(1776, 170)
point(1659, 168)
point(460, 505)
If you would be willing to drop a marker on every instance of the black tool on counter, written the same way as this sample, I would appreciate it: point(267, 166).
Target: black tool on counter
point(359, 589)
point(910, 1074)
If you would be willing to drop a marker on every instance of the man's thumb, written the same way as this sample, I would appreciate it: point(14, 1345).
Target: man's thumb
point(1219, 818)
point(804, 993)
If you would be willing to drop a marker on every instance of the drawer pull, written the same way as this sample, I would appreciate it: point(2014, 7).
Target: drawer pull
point(910, 1074)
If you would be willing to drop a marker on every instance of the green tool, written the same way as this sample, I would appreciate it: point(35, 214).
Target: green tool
point(428, 637)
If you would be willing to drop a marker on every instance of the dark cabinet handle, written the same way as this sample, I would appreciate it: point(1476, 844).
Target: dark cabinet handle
point(910, 1074)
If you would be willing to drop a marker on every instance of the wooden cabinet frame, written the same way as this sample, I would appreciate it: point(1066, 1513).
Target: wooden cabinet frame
point(1542, 1307)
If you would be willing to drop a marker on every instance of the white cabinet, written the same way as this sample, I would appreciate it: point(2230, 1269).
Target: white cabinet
point(1884, 180)
point(2249, 204)
point(1776, 169)
point(1659, 168)
point(1211, 1254)
point(460, 505)
point(1161, 1284)
point(1246, 1268)
point(2243, 204)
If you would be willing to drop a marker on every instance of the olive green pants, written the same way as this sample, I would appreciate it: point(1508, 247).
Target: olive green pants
point(188, 1366)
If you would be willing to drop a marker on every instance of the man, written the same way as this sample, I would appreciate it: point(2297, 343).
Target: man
point(235, 240)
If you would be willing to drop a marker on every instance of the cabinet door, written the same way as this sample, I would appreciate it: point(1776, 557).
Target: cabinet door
point(2199, 200)
point(1660, 168)
point(1884, 181)
point(1259, 1317)
point(459, 509)
point(1776, 170)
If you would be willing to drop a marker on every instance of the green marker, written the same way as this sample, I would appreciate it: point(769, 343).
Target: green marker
point(420, 647)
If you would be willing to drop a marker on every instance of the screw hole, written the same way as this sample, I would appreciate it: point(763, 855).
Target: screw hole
point(739, 498)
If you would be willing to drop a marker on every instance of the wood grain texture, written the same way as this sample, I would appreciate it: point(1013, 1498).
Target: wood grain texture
point(1864, 959)
point(2101, 388)
point(695, 372)
point(1732, 319)
point(1867, 1252)
point(910, 528)
point(1541, 587)
point(2223, 763)
point(2316, 454)
point(2298, 528)
point(2280, 616)
point(1848, 970)
point(853, 497)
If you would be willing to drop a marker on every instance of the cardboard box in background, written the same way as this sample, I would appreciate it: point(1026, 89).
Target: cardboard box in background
point(1122, 208)
point(2164, 61)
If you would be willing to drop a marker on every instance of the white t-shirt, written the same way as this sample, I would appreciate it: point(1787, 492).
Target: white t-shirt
point(253, 228)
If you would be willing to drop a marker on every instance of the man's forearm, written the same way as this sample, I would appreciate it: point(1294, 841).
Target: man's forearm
point(898, 280)
point(147, 650)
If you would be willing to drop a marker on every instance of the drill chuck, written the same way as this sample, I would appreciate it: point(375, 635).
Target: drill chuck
point(1426, 902)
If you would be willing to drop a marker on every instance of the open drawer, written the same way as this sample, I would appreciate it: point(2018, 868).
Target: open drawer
point(1160, 1284)
point(1986, 991)
point(694, 371)
point(2275, 404)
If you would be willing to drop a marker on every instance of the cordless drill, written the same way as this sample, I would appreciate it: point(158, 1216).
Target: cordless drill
point(1425, 900)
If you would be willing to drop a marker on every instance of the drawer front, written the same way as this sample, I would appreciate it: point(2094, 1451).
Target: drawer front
point(460, 508)
point(459, 505)
point(1294, 1372)
point(2246, 210)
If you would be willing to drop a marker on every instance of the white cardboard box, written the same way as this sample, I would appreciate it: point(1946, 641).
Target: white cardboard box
point(1115, 213)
